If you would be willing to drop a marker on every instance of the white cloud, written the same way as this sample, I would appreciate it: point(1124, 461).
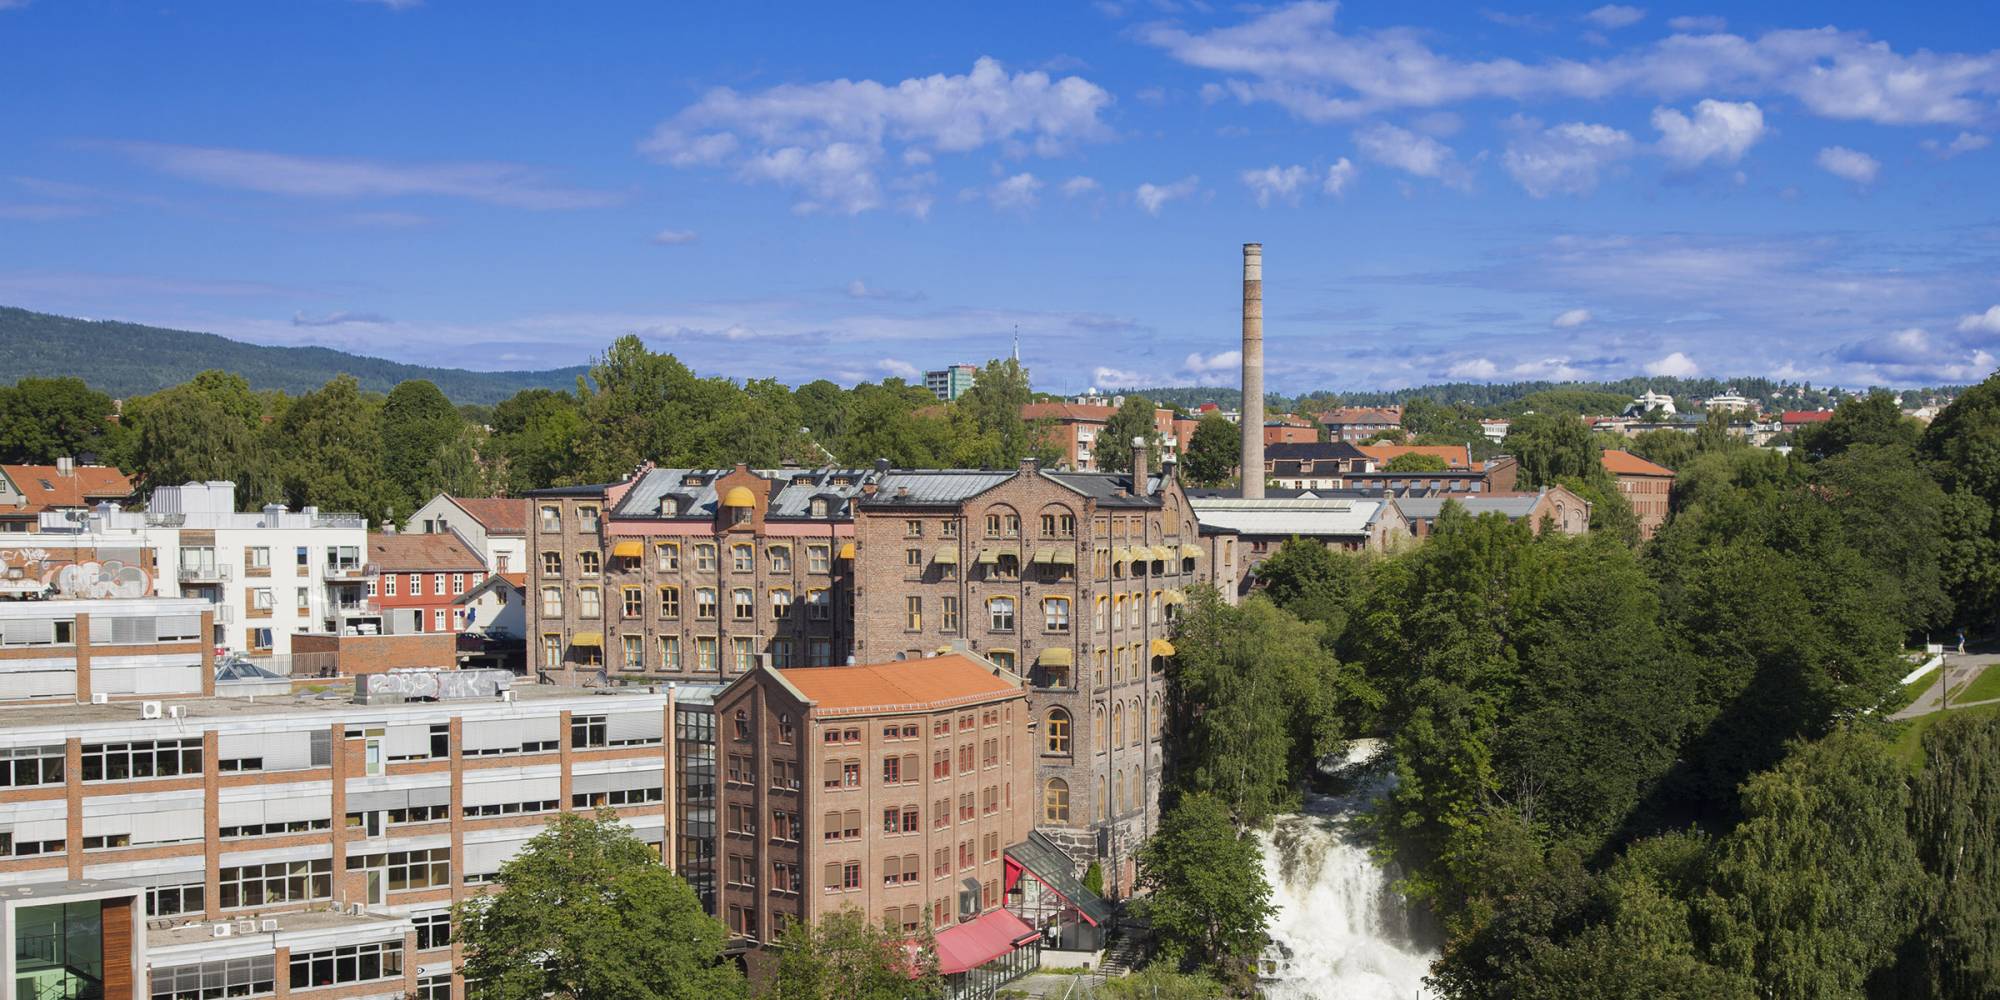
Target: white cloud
point(859, 289)
point(1339, 176)
point(1565, 158)
point(1967, 142)
point(1412, 153)
point(901, 369)
point(1282, 183)
point(674, 237)
point(915, 157)
point(1677, 365)
point(1556, 369)
point(1020, 191)
point(1613, 16)
point(1152, 197)
point(1473, 368)
point(1848, 164)
point(1118, 378)
point(508, 184)
point(1986, 322)
point(1697, 24)
point(1570, 318)
point(1206, 368)
point(1295, 57)
point(829, 139)
point(1719, 130)
point(1078, 185)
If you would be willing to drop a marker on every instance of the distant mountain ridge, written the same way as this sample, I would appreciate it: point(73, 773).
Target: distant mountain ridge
point(129, 359)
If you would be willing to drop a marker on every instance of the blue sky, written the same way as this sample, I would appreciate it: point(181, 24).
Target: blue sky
point(1443, 191)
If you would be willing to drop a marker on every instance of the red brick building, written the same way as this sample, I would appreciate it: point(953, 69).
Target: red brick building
point(892, 789)
point(417, 578)
point(1647, 487)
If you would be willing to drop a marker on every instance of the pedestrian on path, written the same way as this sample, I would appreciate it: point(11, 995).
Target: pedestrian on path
point(1961, 642)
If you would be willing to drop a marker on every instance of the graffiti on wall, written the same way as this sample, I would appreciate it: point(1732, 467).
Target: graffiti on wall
point(94, 574)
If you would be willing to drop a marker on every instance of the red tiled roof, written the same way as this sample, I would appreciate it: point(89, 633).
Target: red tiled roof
point(412, 553)
point(1456, 456)
point(517, 579)
point(85, 485)
point(500, 515)
point(1624, 463)
point(1806, 416)
point(902, 685)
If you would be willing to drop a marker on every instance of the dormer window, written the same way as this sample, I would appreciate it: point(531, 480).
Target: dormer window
point(818, 506)
point(669, 507)
point(842, 481)
point(691, 481)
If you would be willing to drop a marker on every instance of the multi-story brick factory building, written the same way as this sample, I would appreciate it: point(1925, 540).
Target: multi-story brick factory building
point(1073, 579)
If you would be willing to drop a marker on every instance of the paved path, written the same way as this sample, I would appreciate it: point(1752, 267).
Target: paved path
point(1963, 670)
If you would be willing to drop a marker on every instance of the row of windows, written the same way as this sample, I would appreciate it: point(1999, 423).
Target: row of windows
point(141, 759)
point(354, 963)
point(407, 869)
point(459, 583)
point(1126, 796)
point(707, 653)
point(235, 977)
point(704, 558)
point(707, 603)
point(1056, 727)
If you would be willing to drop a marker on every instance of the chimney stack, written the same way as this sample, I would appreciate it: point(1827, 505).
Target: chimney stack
point(1252, 421)
point(1139, 470)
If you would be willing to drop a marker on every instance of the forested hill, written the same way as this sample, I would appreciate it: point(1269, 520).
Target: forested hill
point(128, 359)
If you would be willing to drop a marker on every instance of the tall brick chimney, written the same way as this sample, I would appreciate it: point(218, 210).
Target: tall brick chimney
point(1139, 469)
point(1253, 371)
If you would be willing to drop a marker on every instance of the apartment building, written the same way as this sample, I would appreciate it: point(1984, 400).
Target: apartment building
point(68, 649)
point(1260, 526)
point(298, 845)
point(495, 527)
point(1550, 508)
point(418, 579)
point(1648, 487)
point(1074, 427)
point(29, 491)
point(951, 382)
point(680, 573)
point(270, 573)
point(1072, 579)
point(1359, 423)
point(1312, 466)
point(893, 789)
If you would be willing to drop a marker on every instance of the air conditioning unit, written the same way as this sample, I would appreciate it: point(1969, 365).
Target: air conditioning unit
point(99, 698)
point(222, 930)
point(177, 711)
point(270, 926)
point(149, 710)
point(246, 926)
point(507, 696)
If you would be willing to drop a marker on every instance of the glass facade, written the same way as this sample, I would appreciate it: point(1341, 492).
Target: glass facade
point(694, 808)
point(59, 950)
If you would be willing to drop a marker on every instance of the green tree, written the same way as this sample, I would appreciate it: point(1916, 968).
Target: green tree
point(585, 912)
point(1256, 699)
point(535, 435)
point(1551, 447)
point(329, 444)
point(1131, 421)
point(1157, 982)
point(1214, 451)
point(1314, 583)
point(1416, 461)
point(1962, 448)
point(207, 428)
point(1872, 419)
point(427, 446)
point(843, 955)
point(43, 419)
point(994, 405)
point(1895, 513)
point(1209, 903)
point(1816, 888)
point(1954, 813)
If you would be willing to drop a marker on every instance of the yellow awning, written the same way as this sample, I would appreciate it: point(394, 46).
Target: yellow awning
point(847, 551)
point(1162, 647)
point(1045, 554)
point(587, 639)
point(1064, 557)
point(988, 557)
point(1162, 553)
point(1007, 550)
point(947, 554)
point(1121, 554)
point(1190, 550)
point(1174, 597)
point(1055, 657)
point(630, 548)
point(739, 496)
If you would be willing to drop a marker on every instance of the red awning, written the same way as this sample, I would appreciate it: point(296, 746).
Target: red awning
point(971, 945)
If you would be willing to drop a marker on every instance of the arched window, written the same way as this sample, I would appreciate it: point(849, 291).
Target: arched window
point(1058, 731)
point(1118, 792)
point(1138, 722)
point(1055, 801)
point(1137, 789)
point(1103, 801)
point(1118, 724)
point(1097, 730)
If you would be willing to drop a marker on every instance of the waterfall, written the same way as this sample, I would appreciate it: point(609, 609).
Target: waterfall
point(1340, 933)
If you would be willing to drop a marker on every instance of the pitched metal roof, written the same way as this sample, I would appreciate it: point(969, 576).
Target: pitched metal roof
point(935, 486)
point(1306, 517)
point(1514, 505)
point(791, 494)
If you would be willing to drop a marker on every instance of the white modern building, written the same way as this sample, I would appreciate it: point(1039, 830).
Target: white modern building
point(1648, 401)
point(270, 573)
point(1731, 401)
point(494, 527)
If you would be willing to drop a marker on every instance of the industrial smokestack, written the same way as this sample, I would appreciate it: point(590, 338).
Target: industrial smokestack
point(1253, 371)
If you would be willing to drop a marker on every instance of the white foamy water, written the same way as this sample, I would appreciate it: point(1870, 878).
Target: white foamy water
point(1340, 932)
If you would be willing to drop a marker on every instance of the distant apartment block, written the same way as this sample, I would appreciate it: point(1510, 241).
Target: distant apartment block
point(1646, 486)
point(951, 382)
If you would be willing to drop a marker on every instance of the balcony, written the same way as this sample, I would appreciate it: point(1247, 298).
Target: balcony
point(211, 573)
point(349, 571)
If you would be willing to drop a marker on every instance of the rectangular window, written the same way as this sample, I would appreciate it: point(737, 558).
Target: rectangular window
point(274, 883)
point(670, 602)
point(551, 517)
point(437, 619)
point(141, 759)
point(231, 977)
point(742, 604)
point(635, 652)
point(632, 602)
point(23, 767)
point(704, 603)
point(704, 556)
point(589, 602)
point(389, 584)
point(742, 558)
point(704, 654)
point(745, 653)
point(667, 556)
point(589, 562)
point(354, 963)
point(670, 652)
point(819, 558)
point(819, 607)
point(1055, 614)
point(948, 620)
point(586, 519)
point(913, 614)
point(458, 583)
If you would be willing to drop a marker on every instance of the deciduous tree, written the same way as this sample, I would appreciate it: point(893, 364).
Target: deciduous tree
point(1213, 452)
point(844, 955)
point(1209, 902)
